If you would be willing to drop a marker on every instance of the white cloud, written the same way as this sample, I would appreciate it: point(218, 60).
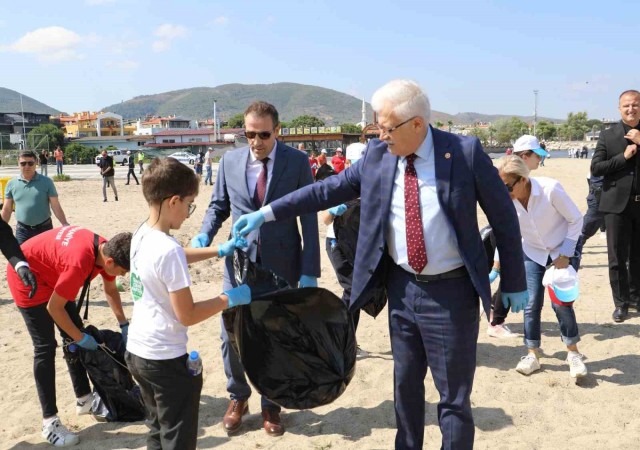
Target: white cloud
point(98, 2)
point(50, 44)
point(166, 34)
point(126, 64)
point(222, 20)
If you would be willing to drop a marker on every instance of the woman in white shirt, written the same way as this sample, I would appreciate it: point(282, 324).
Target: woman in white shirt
point(550, 224)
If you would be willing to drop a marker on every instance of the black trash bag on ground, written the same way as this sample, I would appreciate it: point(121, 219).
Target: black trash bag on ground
point(297, 346)
point(118, 395)
point(346, 228)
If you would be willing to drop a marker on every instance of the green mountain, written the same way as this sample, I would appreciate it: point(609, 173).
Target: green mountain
point(10, 103)
point(291, 100)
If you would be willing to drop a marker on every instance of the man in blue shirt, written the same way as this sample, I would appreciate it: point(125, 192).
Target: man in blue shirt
point(34, 196)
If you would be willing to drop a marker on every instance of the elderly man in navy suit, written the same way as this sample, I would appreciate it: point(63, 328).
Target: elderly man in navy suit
point(419, 189)
point(249, 178)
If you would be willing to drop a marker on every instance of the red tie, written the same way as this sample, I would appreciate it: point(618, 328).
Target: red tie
point(416, 250)
point(261, 184)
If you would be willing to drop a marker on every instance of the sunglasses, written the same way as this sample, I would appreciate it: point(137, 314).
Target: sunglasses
point(27, 163)
point(261, 134)
point(510, 186)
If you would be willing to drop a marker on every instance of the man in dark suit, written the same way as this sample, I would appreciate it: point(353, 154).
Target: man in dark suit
point(616, 160)
point(249, 178)
point(10, 248)
point(418, 235)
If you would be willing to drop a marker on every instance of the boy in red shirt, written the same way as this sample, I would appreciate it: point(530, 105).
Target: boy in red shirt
point(338, 161)
point(62, 260)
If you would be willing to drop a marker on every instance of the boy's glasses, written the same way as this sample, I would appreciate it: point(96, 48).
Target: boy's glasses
point(261, 134)
point(27, 163)
point(192, 208)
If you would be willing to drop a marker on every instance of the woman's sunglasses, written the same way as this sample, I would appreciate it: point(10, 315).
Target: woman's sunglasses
point(510, 186)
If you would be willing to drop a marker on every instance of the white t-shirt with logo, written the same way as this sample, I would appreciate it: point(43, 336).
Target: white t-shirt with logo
point(158, 266)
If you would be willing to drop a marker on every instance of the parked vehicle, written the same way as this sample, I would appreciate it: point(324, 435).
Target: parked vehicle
point(184, 157)
point(119, 156)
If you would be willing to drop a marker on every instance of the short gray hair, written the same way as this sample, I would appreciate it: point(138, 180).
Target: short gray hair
point(406, 96)
point(513, 165)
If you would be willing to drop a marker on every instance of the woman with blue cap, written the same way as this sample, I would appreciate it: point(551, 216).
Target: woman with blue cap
point(550, 224)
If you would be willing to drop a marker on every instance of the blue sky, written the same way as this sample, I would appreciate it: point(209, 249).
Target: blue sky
point(470, 56)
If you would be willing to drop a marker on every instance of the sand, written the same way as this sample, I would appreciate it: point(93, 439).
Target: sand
point(546, 410)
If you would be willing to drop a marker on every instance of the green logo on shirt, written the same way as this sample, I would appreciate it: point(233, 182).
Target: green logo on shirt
point(135, 284)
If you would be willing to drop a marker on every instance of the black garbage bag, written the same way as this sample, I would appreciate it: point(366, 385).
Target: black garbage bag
point(297, 346)
point(500, 313)
point(118, 397)
point(346, 228)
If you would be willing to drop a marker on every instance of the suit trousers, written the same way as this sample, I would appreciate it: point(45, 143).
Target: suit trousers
point(623, 246)
point(433, 325)
point(40, 326)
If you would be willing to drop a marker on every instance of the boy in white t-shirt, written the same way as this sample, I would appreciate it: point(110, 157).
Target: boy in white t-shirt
point(163, 307)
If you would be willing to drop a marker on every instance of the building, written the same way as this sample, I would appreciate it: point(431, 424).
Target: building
point(154, 125)
point(100, 143)
point(11, 123)
point(92, 124)
point(317, 138)
point(194, 140)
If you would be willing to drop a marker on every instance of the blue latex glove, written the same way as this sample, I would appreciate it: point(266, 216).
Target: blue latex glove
point(337, 210)
point(308, 281)
point(88, 342)
point(248, 223)
point(493, 275)
point(124, 329)
point(517, 300)
point(200, 241)
point(240, 295)
point(228, 247)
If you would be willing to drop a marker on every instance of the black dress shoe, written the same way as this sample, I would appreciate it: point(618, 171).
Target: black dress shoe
point(620, 313)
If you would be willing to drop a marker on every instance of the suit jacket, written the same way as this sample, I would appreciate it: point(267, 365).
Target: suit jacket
point(9, 245)
point(465, 176)
point(608, 161)
point(280, 243)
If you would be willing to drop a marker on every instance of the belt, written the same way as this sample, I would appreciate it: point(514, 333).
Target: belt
point(35, 227)
point(455, 273)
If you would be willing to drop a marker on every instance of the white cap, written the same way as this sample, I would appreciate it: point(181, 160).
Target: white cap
point(324, 150)
point(562, 283)
point(528, 142)
point(128, 152)
point(339, 149)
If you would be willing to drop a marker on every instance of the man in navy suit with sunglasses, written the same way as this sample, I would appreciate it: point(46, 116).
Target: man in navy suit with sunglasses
point(419, 190)
point(249, 178)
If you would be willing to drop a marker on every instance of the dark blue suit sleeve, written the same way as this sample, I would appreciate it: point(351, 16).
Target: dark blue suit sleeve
point(309, 223)
point(494, 200)
point(219, 208)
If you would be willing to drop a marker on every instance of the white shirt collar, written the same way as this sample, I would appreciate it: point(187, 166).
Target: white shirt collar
point(272, 155)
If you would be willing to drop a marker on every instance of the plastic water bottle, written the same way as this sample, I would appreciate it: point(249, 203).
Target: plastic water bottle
point(194, 364)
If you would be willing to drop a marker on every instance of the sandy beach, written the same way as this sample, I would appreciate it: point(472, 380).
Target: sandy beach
point(546, 410)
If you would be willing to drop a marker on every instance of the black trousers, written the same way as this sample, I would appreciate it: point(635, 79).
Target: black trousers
point(24, 232)
point(623, 247)
point(344, 273)
point(41, 329)
point(132, 172)
point(172, 397)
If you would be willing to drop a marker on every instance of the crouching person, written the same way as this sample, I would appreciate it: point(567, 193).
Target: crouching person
point(62, 260)
point(163, 307)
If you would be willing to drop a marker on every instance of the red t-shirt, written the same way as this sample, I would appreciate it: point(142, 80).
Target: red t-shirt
point(338, 163)
point(313, 163)
point(61, 260)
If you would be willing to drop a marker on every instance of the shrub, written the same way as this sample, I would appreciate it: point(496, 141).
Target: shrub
point(62, 177)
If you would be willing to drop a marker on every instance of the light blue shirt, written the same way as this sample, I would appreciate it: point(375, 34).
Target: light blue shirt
point(439, 237)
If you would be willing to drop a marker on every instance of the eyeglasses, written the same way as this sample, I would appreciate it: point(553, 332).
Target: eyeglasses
point(27, 163)
point(388, 131)
point(190, 208)
point(510, 186)
point(261, 134)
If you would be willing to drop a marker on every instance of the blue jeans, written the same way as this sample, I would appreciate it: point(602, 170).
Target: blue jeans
point(565, 314)
point(208, 177)
point(59, 167)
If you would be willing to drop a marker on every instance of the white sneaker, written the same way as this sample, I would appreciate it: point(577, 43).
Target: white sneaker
point(577, 369)
point(361, 353)
point(83, 407)
point(603, 235)
point(500, 331)
point(57, 434)
point(528, 364)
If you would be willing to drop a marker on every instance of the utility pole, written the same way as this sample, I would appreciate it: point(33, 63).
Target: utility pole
point(535, 110)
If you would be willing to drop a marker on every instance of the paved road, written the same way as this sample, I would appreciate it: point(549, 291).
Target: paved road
point(79, 172)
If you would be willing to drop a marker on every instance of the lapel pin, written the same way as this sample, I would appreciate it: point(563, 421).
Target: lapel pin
point(447, 155)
